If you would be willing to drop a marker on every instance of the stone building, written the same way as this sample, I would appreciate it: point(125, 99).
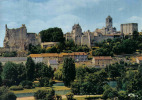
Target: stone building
point(108, 32)
point(101, 61)
point(109, 29)
point(18, 39)
point(129, 28)
point(45, 57)
point(79, 37)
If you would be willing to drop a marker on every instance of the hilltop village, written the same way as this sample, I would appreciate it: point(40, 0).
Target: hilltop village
point(105, 63)
point(16, 45)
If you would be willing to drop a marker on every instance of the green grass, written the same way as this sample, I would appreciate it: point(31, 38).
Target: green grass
point(40, 88)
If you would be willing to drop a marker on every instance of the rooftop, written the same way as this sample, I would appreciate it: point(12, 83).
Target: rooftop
point(102, 57)
point(57, 55)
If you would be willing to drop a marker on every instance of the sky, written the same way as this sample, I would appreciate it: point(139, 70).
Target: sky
point(39, 15)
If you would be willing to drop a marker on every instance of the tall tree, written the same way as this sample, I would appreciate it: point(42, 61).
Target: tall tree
point(52, 35)
point(30, 69)
point(68, 71)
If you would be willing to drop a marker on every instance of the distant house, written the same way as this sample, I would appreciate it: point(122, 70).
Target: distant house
point(37, 58)
point(77, 56)
point(59, 57)
point(54, 64)
point(139, 60)
point(101, 61)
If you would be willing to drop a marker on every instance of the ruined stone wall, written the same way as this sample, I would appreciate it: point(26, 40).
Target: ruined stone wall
point(19, 39)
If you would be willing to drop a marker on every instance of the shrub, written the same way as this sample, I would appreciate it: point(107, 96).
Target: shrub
point(14, 88)
point(6, 82)
point(44, 82)
point(8, 96)
point(45, 94)
point(58, 97)
point(40, 94)
point(27, 84)
point(69, 96)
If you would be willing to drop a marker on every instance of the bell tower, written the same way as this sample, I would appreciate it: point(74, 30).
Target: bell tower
point(109, 22)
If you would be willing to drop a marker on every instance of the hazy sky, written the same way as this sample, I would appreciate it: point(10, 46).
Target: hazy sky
point(38, 15)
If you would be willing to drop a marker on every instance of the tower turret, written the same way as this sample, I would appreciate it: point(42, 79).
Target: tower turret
point(108, 22)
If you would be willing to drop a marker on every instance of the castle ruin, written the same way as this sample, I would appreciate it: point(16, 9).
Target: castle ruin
point(18, 39)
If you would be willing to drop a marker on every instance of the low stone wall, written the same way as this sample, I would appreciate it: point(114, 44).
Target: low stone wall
point(13, 59)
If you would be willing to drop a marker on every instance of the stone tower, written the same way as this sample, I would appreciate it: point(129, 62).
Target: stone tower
point(76, 30)
point(109, 22)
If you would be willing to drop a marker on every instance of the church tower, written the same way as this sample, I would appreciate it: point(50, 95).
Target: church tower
point(109, 22)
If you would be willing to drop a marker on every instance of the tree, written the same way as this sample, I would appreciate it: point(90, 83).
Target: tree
point(110, 93)
point(68, 71)
point(69, 96)
point(44, 94)
point(1, 67)
point(52, 35)
point(135, 35)
point(6, 95)
point(42, 71)
point(30, 69)
point(80, 73)
point(10, 72)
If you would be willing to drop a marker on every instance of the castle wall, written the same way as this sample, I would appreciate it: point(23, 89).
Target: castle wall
point(77, 40)
point(102, 38)
point(85, 40)
point(13, 59)
point(128, 29)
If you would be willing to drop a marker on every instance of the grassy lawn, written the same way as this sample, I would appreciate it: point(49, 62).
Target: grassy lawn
point(41, 88)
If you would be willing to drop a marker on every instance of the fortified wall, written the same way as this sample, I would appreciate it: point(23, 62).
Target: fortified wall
point(13, 59)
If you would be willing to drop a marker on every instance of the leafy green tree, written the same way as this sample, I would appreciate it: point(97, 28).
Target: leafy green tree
point(27, 84)
point(35, 49)
point(58, 73)
point(6, 95)
point(44, 82)
point(44, 94)
point(10, 72)
point(75, 87)
point(115, 70)
point(110, 93)
point(86, 88)
point(42, 70)
point(129, 46)
point(52, 35)
point(68, 71)
point(135, 35)
point(80, 73)
point(30, 69)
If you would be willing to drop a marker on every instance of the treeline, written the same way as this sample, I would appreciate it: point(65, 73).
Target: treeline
point(23, 75)
point(126, 45)
point(95, 81)
point(66, 46)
